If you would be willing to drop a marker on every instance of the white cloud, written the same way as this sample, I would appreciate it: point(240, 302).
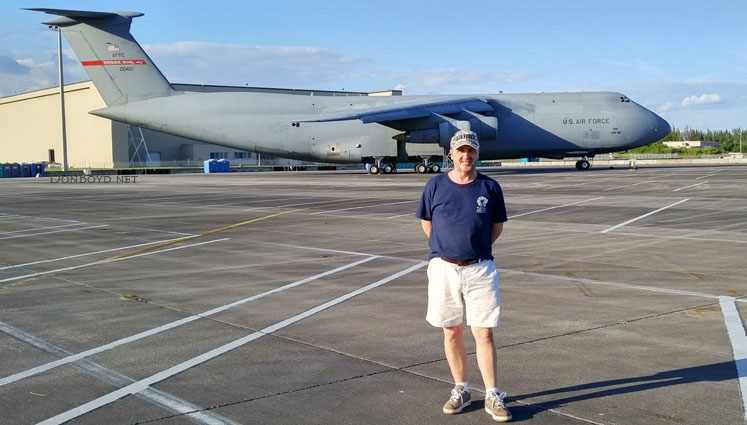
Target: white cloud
point(230, 64)
point(27, 74)
point(704, 99)
point(665, 107)
point(435, 78)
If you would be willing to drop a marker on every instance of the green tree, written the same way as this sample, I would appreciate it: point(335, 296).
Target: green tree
point(729, 141)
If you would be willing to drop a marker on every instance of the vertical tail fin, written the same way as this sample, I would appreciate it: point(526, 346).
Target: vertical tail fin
point(117, 65)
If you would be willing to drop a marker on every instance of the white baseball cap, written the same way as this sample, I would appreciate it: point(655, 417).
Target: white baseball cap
point(465, 138)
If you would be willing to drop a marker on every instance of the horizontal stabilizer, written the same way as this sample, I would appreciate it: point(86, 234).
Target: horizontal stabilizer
point(83, 14)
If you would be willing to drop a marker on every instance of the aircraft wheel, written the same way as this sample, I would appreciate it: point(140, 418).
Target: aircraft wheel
point(435, 168)
point(388, 169)
point(583, 165)
point(421, 168)
point(374, 169)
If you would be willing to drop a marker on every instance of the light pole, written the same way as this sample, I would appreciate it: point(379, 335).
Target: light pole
point(62, 95)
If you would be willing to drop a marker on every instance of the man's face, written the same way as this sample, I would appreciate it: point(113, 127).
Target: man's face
point(465, 158)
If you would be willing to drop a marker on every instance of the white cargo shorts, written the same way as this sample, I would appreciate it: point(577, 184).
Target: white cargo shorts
point(458, 291)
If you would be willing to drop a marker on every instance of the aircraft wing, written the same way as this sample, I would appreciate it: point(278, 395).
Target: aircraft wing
point(407, 110)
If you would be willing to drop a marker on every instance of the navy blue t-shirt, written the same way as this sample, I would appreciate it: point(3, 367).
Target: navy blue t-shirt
point(461, 216)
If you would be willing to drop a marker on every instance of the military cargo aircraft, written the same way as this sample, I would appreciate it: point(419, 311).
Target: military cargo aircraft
point(339, 127)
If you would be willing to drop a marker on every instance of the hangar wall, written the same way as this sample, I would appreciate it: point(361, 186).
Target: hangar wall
point(30, 128)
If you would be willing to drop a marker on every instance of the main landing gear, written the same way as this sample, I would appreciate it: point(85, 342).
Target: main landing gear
point(382, 167)
point(583, 164)
point(425, 166)
point(422, 168)
point(387, 165)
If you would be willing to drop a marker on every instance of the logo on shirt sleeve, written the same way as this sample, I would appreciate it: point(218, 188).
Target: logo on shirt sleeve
point(482, 202)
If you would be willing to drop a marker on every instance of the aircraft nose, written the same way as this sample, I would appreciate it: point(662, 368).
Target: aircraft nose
point(657, 127)
point(660, 127)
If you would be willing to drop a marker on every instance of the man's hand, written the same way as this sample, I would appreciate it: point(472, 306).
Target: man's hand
point(426, 227)
point(495, 232)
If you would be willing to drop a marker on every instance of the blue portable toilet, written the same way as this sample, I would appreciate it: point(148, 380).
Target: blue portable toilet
point(209, 166)
point(39, 169)
point(2, 170)
point(15, 169)
point(7, 170)
point(25, 170)
point(223, 166)
point(32, 172)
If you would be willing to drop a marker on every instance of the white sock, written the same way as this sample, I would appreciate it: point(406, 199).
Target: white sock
point(463, 384)
point(495, 390)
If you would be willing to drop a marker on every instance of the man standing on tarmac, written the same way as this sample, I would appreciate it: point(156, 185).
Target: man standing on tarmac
point(462, 213)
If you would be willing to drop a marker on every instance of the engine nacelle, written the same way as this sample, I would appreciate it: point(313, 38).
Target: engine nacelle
point(485, 127)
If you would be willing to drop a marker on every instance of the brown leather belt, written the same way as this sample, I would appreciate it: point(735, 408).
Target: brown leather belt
point(461, 262)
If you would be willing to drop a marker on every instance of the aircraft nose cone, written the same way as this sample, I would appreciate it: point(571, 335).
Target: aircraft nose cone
point(658, 128)
point(661, 126)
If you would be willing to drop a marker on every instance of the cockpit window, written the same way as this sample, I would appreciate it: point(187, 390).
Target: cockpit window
point(624, 99)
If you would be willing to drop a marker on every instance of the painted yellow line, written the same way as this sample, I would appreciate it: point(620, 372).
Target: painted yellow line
point(151, 248)
point(209, 232)
point(232, 226)
point(244, 223)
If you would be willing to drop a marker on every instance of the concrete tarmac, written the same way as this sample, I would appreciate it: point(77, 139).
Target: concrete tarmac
point(299, 298)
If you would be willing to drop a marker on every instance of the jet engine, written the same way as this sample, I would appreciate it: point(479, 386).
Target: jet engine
point(486, 128)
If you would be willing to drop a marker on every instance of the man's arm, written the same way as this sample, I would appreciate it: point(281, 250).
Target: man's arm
point(426, 227)
point(495, 232)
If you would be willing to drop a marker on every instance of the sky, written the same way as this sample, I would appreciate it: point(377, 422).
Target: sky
point(684, 59)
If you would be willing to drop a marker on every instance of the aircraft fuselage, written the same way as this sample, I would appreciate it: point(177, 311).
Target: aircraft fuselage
point(553, 125)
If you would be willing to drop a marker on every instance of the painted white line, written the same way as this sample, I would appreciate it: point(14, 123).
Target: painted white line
point(629, 185)
point(614, 284)
point(336, 251)
point(157, 397)
point(643, 216)
point(47, 218)
point(152, 230)
point(64, 269)
point(689, 238)
point(296, 205)
point(666, 175)
point(54, 231)
point(410, 214)
point(692, 185)
point(86, 254)
point(158, 377)
point(738, 339)
point(361, 207)
point(557, 206)
point(707, 175)
point(39, 228)
point(75, 357)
